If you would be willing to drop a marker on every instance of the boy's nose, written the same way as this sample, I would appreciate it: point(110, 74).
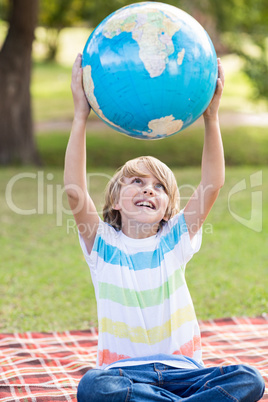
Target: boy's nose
point(148, 190)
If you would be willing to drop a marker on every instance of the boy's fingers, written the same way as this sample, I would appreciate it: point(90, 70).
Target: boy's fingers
point(219, 86)
point(220, 72)
point(220, 80)
point(221, 75)
point(219, 89)
point(78, 58)
point(77, 63)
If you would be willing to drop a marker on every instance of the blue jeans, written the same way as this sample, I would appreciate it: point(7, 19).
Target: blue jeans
point(160, 383)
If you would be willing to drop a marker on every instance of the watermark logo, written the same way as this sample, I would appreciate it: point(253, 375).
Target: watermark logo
point(50, 198)
point(255, 220)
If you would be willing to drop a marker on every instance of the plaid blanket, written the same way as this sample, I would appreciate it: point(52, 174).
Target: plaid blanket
point(46, 367)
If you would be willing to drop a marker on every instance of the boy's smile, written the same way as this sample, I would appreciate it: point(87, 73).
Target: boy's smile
point(142, 203)
point(147, 204)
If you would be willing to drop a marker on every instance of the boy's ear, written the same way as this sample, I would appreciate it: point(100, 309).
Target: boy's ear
point(167, 215)
point(115, 204)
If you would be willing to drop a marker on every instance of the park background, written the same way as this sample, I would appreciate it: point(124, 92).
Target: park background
point(45, 283)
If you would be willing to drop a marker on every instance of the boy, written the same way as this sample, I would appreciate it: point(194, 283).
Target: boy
point(149, 344)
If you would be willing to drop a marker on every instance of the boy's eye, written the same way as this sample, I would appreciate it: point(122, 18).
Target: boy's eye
point(160, 186)
point(137, 180)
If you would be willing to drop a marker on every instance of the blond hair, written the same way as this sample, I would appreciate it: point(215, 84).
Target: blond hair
point(133, 168)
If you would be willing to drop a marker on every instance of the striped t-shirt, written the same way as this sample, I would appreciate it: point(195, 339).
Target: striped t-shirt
point(143, 302)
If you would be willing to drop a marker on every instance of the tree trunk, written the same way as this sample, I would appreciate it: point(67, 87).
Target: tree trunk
point(16, 127)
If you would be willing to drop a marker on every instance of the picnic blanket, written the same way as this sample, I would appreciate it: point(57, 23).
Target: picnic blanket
point(46, 367)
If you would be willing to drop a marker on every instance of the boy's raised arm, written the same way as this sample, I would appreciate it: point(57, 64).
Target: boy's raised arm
point(75, 181)
point(213, 168)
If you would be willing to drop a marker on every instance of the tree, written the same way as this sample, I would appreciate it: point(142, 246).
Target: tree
point(56, 15)
point(245, 31)
point(16, 129)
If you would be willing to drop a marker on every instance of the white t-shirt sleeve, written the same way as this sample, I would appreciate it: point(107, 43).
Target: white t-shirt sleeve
point(184, 248)
point(190, 246)
point(91, 258)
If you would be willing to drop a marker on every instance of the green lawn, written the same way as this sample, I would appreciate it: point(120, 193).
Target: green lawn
point(242, 145)
point(45, 283)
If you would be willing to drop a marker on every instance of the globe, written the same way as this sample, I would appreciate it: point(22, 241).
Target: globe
point(149, 70)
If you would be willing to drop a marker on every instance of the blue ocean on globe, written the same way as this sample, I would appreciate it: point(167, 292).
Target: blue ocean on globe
point(149, 70)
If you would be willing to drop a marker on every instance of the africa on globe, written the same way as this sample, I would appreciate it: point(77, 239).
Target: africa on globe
point(149, 70)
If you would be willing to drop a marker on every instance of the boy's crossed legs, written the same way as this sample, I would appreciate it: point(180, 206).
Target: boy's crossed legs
point(160, 383)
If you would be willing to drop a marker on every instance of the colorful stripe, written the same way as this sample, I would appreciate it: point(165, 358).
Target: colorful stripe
point(141, 260)
point(107, 357)
point(151, 336)
point(144, 298)
point(190, 347)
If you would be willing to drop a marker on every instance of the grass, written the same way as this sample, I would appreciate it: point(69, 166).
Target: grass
point(45, 283)
point(51, 92)
point(243, 146)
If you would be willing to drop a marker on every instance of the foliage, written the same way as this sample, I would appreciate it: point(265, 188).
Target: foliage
point(246, 34)
point(55, 15)
point(98, 10)
point(4, 9)
point(61, 13)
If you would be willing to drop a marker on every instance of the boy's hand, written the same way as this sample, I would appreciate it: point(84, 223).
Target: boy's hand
point(212, 111)
point(81, 105)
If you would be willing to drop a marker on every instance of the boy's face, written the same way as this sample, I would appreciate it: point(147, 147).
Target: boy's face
point(142, 200)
